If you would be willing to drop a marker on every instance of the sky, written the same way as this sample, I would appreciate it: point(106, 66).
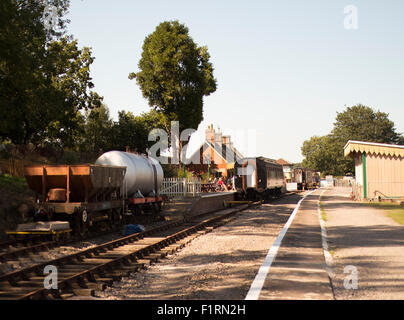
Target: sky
point(283, 68)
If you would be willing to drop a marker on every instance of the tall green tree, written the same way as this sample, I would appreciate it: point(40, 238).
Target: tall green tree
point(318, 154)
point(54, 117)
point(133, 131)
point(44, 76)
point(97, 130)
point(175, 74)
point(359, 122)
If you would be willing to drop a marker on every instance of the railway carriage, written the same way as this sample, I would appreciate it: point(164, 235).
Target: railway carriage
point(305, 178)
point(259, 178)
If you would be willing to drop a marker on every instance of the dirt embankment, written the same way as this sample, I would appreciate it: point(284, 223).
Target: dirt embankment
point(16, 203)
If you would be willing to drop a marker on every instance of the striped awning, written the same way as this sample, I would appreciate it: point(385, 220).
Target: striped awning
point(374, 148)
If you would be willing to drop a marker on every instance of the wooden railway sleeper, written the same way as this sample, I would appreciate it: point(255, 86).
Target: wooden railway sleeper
point(134, 267)
point(91, 277)
point(84, 292)
point(25, 276)
point(82, 283)
point(146, 254)
point(104, 280)
point(126, 261)
point(99, 274)
point(113, 275)
point(54, 294)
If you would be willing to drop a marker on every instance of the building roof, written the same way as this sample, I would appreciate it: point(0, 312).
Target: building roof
point(235, 155)
point(284, 162)
point(373, 147)
point(221, 150)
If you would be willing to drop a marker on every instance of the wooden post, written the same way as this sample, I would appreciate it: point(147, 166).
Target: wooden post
point(43, 184)
point(68, 185)
point(244, 184)
point(365, 187)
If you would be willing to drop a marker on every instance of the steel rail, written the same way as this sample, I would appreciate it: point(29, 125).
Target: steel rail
point(132, 257)
point(14, 276)
point(18, 279)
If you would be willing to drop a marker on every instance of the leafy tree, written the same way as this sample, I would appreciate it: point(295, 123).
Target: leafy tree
point(57, 119)
point(97, 129)
point(152, 120)
point(363, 123)
point(133, 131)
point(316, 153)
point(44, 76)
point(326, 153)
point(175, 74)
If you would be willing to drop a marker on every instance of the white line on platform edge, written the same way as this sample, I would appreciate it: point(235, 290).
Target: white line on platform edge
point(327, 255)
point(258, 283)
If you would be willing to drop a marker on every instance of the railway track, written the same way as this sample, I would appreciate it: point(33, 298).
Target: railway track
point(90, 270)
point(10, 244)
point(11, 251)
point(22, 252)
point(26, 250)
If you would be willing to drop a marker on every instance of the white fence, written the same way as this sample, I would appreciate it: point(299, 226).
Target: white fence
point(181, 187)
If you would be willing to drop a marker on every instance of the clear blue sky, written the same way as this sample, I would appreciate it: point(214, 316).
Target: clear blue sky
point(284, 68)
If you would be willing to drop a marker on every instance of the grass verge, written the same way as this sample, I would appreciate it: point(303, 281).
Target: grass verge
point(13, 184)
point(394, 211)
point(324, 216)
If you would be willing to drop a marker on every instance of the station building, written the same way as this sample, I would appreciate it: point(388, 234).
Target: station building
point(379, 170)
point(217, 154)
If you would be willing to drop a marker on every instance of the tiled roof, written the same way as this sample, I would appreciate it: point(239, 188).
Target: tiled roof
point(283, 162)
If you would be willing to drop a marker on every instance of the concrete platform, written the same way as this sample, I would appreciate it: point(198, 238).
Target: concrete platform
point(299, 270)
point(203, 203)
point(365, 237)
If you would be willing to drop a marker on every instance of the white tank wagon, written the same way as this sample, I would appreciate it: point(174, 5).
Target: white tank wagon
point(110, 193)
point(144, 175)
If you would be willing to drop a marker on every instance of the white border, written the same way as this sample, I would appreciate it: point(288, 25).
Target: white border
point(327, 255)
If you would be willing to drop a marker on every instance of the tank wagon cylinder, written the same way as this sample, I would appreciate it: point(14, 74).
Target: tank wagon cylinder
point(143, 174)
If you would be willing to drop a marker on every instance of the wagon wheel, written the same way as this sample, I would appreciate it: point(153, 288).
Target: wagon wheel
point(81, 223)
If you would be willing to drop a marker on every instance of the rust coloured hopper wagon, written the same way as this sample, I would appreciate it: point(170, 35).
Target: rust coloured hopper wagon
point(81, 194)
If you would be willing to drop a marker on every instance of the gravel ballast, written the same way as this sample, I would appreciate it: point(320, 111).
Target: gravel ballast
point(219, 265)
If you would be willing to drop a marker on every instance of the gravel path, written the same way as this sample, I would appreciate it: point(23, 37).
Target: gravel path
point(366, 238)
point(218, 265)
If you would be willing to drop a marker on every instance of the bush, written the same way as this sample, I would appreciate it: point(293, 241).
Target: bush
point(69, 157)
point(170, 171)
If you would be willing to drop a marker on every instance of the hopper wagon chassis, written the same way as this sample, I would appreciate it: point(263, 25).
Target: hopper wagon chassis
point(85, 195)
